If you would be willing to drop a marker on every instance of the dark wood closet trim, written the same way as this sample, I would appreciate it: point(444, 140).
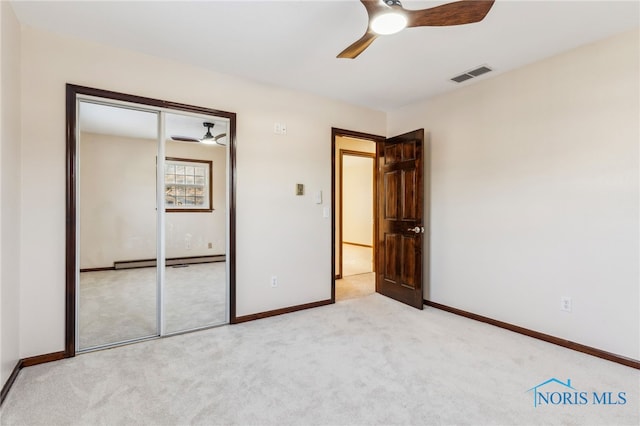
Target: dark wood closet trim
point(28, 362)
point(281, 311)
point(72, 92)
point(336, 132)
point(70, 206)
point(629, 362)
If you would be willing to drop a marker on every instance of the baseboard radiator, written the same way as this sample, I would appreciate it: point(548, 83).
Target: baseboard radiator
point(150, 263)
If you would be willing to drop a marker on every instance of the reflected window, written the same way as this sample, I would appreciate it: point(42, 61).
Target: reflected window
point(187, 185)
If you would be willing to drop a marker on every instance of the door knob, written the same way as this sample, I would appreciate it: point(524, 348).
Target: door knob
point(416, 229)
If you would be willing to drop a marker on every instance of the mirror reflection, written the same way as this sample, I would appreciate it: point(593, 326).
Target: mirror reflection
point(119, 285)
point(117, 224)
point(195, 223)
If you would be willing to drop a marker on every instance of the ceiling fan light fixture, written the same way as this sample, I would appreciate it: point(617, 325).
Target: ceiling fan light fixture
point(389, 17)
point(389, 23)
point(214, 140)
point(208, 138)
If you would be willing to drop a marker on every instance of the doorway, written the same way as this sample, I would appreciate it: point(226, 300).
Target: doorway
point(357, 209)
point(151, 219)
point(401, 234)
point(354, 183)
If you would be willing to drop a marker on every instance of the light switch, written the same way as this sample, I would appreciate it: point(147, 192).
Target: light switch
point(279, 128)
point(326, 212)
point(299, 189)
point(318, 197)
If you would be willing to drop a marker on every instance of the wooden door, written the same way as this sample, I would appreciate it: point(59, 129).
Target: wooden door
point(400, 213)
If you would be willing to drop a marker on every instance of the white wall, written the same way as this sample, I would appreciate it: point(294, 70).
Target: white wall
point(278, 233)
point(10, 191)
point(357, 198)
point(535, 194)
point(118, 202)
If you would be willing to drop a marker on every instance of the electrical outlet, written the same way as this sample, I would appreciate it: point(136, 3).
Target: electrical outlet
point(187, 244)
point(565, 304)
point(210, 245)
point(274, 281)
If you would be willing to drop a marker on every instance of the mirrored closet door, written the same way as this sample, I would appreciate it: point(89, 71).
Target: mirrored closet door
point(152, 205)
point(195, 201)
point(117, 286)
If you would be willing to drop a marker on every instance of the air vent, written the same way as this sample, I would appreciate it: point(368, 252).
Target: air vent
point(483, 69)
point(479, 71)
point(461, 78)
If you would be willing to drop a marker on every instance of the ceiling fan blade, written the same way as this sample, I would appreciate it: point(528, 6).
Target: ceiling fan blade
point(220, 136)
point(184, 139)
point(457, 13)
point(359, 46)
point(373, 8)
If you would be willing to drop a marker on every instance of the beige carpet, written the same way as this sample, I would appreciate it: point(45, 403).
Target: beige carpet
point(120, 305)
point(355, 286)
point(362, 361)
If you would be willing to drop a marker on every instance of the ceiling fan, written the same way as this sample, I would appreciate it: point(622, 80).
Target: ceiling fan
point(389, 17)
point(207, 139)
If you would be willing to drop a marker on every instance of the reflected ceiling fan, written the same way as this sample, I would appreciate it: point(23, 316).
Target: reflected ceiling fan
point(207, 139)
point(389, 17)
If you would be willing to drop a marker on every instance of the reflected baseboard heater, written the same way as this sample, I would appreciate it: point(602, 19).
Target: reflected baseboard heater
point(149, 263)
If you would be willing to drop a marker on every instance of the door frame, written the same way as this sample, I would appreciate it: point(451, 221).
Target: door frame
point(71, 262)
point(374, 205)
point(335, 132)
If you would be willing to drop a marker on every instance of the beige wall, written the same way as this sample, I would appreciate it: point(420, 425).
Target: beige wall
point(278, 233)
point(357, 199)
point(10, 191)
point(118, 202)
point(535, 194)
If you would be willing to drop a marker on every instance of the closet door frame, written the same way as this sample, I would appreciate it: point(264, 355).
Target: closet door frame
point(73, 94)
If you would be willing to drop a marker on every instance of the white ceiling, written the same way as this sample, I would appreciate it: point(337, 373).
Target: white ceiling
point(294, 43)
point(132, 123)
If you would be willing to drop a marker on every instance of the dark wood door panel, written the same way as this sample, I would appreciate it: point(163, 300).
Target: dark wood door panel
point(392, 154)
point(409, 197)
point(410, 252)
point(409, 151)
point(390, 192)
point(392, 245)
point(401, 213)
